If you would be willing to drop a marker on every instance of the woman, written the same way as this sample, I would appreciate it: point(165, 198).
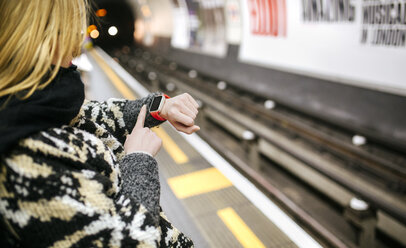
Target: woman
point(74, 173)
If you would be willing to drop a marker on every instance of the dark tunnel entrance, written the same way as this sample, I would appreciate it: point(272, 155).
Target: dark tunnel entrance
point(115, 24)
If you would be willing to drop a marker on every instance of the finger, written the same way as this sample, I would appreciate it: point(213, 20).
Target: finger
point(141, 118)
point(192, 101)
point(188, 130)
point(183, 119)
point(192, 129)
point(187, 104)
point(187, 111)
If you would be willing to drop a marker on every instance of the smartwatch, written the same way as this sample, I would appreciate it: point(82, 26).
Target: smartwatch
point(156, 106)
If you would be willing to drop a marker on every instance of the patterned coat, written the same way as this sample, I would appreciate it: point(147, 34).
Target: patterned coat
point(73, 186)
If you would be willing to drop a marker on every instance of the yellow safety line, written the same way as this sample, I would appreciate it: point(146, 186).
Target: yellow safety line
point(118, 83)
point(198, 182)
point(171, 147)
point(238, 227)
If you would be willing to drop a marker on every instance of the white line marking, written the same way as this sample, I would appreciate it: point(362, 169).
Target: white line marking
point(253, 194)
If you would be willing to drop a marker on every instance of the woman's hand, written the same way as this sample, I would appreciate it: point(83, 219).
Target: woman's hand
point(142, 139)
point(181, 112)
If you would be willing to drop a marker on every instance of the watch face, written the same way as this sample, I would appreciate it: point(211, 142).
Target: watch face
point(155, 103)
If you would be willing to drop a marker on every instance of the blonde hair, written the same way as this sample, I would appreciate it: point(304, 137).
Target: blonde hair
point(34, 35)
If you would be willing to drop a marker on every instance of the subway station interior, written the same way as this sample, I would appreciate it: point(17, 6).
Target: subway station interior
point(302, 114)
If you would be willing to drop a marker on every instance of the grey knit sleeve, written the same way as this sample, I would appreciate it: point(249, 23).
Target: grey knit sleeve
point(140, 179)
point(132, 109)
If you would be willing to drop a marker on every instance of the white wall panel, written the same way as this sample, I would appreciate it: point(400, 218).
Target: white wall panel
point(233, 21)
point(161, 20)
point(180, 35)
point(332, 41)
point(199, 26)
point(153, 18)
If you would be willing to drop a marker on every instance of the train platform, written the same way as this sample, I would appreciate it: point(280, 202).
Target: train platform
point(201, 193)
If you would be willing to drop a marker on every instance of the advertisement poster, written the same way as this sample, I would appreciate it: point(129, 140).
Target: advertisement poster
point(199, 26)
point(213, 28)
point(349, 41)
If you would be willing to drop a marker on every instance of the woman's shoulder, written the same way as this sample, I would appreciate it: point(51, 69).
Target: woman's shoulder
point(64, 150)
point(66, 142)
point(65, 139)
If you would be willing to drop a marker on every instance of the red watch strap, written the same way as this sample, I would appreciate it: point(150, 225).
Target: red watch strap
point(156, 114)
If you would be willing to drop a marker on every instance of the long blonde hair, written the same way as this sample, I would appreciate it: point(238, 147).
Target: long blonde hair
point(34, 34)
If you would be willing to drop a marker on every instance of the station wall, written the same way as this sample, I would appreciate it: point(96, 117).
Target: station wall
point(346, 41)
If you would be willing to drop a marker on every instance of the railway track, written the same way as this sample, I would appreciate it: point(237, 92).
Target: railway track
point(323, 156)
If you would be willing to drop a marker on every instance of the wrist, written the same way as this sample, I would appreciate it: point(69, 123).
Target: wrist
point(158, 109)
point(164, 112)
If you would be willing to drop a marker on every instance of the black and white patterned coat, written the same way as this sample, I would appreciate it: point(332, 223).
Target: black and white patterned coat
point(74, 186)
